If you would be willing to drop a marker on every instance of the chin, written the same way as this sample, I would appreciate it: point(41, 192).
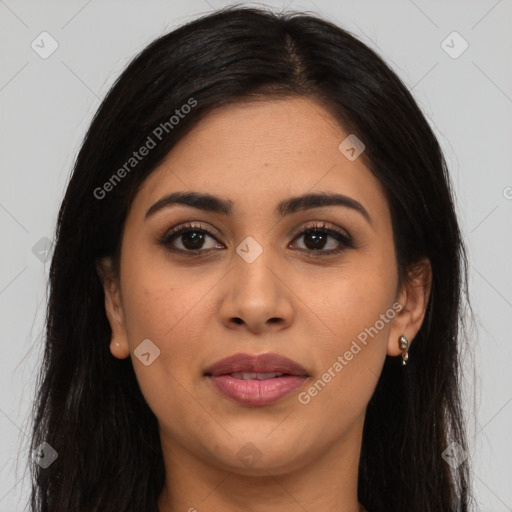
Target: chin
point(260, 456)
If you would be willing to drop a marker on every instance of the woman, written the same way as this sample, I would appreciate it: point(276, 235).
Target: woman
point(255, 287)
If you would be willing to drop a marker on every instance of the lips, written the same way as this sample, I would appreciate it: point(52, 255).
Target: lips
point(256, 380)
point(259, 364)
point(256, 376)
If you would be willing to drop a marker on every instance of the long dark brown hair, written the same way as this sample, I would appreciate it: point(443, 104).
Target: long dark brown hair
point(89, 406)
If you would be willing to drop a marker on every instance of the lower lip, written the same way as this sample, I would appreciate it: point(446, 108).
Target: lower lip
point(256, 392)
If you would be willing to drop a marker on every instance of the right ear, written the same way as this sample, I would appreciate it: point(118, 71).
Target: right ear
point(113, 308)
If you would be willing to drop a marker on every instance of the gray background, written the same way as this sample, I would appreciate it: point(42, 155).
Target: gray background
point(47, 105)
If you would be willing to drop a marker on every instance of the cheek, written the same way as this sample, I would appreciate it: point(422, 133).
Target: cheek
point(360, 292)
point(168, 306)
point(165, 309)
point(156, 296)
point(358, 309)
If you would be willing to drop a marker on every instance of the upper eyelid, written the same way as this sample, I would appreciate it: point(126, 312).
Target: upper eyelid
point(319, 224)
point(189, 226)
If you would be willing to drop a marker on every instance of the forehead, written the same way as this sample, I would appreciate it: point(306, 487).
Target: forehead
point(256, 152)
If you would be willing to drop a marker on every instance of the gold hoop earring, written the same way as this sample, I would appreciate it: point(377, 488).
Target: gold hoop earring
point(403, 342)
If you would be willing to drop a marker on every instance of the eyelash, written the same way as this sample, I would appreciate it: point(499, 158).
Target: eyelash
point(342, 237)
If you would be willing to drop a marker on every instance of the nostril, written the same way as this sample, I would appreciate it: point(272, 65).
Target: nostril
point(238, 320)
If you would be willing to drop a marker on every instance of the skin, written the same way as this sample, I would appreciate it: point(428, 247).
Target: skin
point(289, 301)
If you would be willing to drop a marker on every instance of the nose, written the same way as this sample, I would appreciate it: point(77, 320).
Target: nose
point(256, 297)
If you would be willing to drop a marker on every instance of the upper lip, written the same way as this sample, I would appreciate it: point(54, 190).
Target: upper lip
point(263, 363)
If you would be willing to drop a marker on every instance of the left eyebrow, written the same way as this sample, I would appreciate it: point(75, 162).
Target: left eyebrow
point(211, 203)
point(318, 200)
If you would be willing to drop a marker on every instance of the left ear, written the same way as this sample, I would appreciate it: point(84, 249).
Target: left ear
point(413, 298)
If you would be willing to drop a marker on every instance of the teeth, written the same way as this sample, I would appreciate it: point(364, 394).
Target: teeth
point(255, 376)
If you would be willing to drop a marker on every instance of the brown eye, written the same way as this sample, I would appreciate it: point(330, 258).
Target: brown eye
point(324, 240)
point(189, 238)
point(192, 240)
point(315, 240)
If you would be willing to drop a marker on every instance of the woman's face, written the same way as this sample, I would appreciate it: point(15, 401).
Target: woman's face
point(255, 285)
